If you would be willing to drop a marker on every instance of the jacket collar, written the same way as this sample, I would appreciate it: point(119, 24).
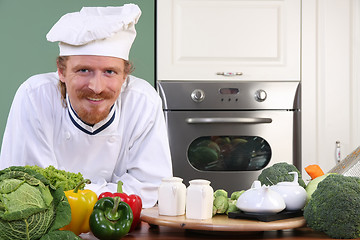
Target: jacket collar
point(86, 128)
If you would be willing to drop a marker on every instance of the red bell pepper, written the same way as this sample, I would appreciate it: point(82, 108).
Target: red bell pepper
point(133, 200)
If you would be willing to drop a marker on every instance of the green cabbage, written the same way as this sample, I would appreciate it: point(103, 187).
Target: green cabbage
point(30, 207)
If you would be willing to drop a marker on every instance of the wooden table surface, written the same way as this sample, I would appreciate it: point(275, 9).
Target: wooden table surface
point(155, 226)
point(219, 223)
point(152, 232)
point(163, 231)
point(146, 231)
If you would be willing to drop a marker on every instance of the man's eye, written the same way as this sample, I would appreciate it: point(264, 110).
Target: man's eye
point(84, 70)
point(110, 72)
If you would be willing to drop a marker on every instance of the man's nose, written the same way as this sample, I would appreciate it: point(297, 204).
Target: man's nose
point(97, 83)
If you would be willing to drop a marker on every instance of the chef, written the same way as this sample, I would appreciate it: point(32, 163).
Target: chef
point(92, 116)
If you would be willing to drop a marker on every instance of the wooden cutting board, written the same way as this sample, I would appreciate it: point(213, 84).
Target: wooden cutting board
point(219, 222)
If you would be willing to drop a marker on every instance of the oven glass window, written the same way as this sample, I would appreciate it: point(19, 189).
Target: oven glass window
point(229, 153)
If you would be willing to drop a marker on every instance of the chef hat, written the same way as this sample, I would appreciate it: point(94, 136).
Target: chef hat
point(101, 31)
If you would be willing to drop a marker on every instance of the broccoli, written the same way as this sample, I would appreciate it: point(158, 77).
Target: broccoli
point(312, 185)
point(334, 207)
point(279, 172)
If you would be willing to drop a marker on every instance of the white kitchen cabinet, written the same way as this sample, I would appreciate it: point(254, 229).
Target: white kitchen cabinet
point(314, 41)
point(200, 39)
point(330, 80)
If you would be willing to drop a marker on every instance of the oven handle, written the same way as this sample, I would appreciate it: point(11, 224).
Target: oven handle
point(228, 120)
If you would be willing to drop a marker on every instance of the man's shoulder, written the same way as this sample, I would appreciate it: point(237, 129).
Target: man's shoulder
point(140, 86)
point(39, 80)
point(40, 88)
point(138, 83)
point(39, 91)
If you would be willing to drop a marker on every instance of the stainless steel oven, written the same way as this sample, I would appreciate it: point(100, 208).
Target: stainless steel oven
point(227, 132)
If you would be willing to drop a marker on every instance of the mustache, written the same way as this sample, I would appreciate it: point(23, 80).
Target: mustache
point(86, 93)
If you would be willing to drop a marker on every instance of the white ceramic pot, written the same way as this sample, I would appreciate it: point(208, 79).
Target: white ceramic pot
point(293, 194)
point(199, 199)
point(260, 199)
point(172, 197)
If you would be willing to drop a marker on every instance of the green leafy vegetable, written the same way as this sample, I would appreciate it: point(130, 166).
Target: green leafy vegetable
point(312, 185)
point(59, 178)
point(232, 206)
point(235, 195)
point(221, 203)
point(220, 192)
point(63, 235)
point(334, 207)
point(279, 172)
point(30, 207)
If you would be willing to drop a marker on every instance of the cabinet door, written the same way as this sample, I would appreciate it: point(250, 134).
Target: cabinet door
point(200, 39)
point(330, 87)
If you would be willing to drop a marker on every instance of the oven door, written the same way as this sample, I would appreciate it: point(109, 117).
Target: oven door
point(230, 148)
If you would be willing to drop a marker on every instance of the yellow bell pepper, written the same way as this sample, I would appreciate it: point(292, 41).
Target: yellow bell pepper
point(82, 203)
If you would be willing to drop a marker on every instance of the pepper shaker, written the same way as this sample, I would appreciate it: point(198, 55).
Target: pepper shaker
point(172, 197)
point(199, 199)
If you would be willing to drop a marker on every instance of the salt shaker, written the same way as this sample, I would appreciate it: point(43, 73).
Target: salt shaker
point(199, 199)
point(172, 197)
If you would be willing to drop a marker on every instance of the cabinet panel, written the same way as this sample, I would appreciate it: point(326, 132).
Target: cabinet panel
point(330, 80)
point(196, 39)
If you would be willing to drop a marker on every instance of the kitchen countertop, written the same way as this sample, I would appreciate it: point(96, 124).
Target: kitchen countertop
point(149, 232)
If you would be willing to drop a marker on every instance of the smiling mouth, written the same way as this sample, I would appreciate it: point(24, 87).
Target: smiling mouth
point(95, 99)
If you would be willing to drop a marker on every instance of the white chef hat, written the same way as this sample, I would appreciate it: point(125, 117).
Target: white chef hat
point(101, 31)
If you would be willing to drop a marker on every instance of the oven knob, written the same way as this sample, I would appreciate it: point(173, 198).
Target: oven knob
point(260, 95)
point(198, 95)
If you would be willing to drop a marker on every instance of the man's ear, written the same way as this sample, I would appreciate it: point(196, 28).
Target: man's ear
point(60, 71)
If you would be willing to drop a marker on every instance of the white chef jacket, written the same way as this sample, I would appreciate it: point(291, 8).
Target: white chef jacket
point(130, 145)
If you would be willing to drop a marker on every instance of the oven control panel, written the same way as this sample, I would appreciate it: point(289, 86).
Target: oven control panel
point(229, 95)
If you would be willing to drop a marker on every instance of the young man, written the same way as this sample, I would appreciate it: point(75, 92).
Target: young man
point(91, 116)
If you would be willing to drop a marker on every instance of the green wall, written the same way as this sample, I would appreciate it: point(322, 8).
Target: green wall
point(24, 50)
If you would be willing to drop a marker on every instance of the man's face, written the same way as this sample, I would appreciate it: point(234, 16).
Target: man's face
point(93, 84)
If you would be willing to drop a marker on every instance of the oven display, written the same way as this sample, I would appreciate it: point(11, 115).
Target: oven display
point(228, 90)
